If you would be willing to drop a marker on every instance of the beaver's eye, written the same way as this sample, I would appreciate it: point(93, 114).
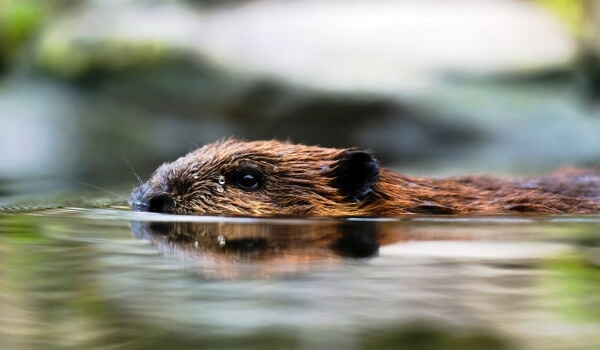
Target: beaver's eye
point(248, 179)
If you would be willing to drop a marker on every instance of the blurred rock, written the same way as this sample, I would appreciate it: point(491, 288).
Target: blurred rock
point(353, 46)
point(258, 109)
point(383, 46)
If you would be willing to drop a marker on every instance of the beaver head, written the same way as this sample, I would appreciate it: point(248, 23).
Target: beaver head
point(261, 178)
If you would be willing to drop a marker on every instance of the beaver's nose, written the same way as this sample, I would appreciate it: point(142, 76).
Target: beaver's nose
point(144, 199)
point(161, 203)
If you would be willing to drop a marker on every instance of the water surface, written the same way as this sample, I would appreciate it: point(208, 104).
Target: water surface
point(109, 278)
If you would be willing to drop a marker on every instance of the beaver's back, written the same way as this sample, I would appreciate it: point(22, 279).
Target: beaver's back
point(564, 191)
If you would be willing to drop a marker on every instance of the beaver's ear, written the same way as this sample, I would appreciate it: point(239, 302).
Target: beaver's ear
point(355, 174)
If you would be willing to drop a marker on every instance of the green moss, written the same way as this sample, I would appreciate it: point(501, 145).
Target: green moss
point(77, 58)
point(19, 20)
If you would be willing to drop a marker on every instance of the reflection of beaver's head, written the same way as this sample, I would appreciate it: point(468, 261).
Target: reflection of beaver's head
point(308, 240)
point(266, 178)
point(261, 178)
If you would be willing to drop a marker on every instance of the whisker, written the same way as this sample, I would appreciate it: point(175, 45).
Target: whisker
point(103, 189)
point(131, 167)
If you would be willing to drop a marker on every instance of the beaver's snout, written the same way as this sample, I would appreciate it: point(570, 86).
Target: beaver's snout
point(144, 198)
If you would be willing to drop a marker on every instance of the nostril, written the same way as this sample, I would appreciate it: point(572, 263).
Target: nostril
point(161, 204)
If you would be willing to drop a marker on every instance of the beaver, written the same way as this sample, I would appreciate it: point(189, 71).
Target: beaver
point(273, 178)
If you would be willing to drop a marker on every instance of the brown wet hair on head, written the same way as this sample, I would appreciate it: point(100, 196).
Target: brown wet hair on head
point(273, 178)
point(261, 178)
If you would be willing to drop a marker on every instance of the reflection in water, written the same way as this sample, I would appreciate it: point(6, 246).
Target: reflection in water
point(268, 247)
point(230, 248)
point(231, 283)
point(283, 240)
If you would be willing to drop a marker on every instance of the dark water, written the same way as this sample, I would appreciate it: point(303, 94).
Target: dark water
point(107, 278)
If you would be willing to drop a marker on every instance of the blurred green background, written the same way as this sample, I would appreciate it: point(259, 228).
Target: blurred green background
point(432, 87)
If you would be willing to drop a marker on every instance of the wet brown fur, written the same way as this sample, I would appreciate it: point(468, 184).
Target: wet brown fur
point(300, 180)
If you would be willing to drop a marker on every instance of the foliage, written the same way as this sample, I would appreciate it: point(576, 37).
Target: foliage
point(19, 20)
point(570, 12)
